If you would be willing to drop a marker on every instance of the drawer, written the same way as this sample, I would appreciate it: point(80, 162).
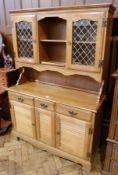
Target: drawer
point(3, 84)
point(74, 112)
point(21, 98)
point(115, 152)
point(2, 75)
point(44, 104)
point(2, 79)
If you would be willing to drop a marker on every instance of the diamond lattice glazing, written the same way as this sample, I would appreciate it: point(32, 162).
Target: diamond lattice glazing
point(24, 39)
point(84, 42)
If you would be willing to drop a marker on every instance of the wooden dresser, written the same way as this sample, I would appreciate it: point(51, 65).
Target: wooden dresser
point(63, 56)
point(111, 159)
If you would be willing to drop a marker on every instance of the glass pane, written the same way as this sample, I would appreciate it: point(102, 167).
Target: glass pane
point(24, 39)
point(84, 42)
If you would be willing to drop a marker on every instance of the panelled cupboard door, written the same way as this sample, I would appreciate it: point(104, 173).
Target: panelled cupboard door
point(72, 135)
point(45, 124)
point(85, 41)
point(23, 118)
point(25, 38)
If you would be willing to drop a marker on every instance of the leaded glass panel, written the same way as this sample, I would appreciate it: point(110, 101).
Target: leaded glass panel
point(84, 42)
point(24, 39)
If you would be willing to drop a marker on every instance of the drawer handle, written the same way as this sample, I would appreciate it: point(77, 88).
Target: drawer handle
point(43, 105)
point(72, 113)
point(20, 99)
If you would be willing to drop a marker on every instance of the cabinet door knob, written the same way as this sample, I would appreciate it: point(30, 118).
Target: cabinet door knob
point(20, 99)
point(72, 113)
point(43, 105)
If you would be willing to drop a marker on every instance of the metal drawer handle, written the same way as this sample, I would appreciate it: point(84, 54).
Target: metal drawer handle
point(20, 99)
point(43, 105)
point(72, 113)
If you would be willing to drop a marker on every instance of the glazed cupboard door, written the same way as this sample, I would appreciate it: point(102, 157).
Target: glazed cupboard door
point(23, 118)
point(25, 38)
point(73, 135)
point(85, 41)
point(45, 125)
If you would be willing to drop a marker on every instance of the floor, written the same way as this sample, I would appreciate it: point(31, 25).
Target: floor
point(21, 158)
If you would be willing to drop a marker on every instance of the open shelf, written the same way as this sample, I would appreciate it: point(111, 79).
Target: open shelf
point(52, 28)
point(53, 63)
point(51, 52)
point(52, 41)
point(84, 42)
point(27, 40)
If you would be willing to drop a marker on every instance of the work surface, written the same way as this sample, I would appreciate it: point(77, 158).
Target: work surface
point(67, 96)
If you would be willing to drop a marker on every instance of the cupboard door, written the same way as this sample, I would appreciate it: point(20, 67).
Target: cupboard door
point(73, 135)
point(23, 118)
point(25, 38)
point(45, 124)
point(85, 41)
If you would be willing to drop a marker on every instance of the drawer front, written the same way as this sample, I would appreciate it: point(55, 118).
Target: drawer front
point(74, 112)
point(115, 152)
point(21, 98)
point(3, 80)
point(3, 84)
point(44, 104)
point(2, 75)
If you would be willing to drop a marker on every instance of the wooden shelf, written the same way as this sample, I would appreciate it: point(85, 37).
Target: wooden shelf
point(53, 41)
point(53, 63)
point(84, 42)
point(27, 40)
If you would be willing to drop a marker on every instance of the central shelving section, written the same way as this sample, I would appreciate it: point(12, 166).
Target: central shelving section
point(52, 41)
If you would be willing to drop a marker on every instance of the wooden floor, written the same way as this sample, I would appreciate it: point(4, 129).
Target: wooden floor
point(21, 158)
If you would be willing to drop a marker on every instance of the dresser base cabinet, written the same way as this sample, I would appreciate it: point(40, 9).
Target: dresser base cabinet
point(60, 123)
